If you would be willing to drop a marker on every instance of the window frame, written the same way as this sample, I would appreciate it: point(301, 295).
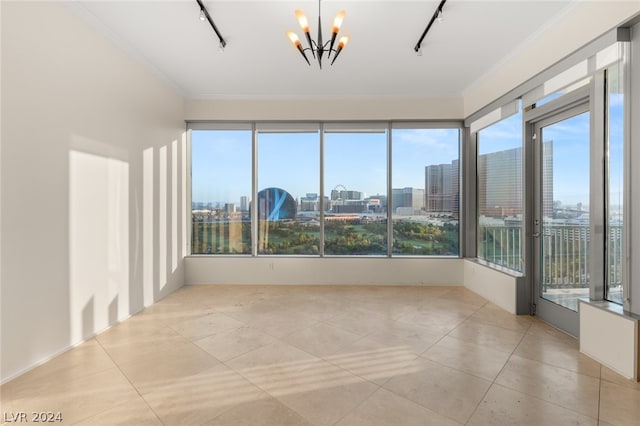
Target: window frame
point(324, 127)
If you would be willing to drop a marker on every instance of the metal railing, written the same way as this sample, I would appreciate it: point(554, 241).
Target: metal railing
point(565, 249)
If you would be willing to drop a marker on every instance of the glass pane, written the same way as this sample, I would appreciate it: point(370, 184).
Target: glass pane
point(565, 211)
point(221, 192)
point(558, 94)
point(426, 192)
point(355, 182)
point(615, 187)
point(499, 180)
point(288, 186)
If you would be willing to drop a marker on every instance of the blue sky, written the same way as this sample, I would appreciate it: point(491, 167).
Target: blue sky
point(571, 152)
point(221, 160)
point(357, 161)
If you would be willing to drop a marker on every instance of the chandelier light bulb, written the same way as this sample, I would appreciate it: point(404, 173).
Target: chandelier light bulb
point(202, 17)
point(318, 47)
point(341, 44)
point(337, 21)
point(294, 38)
point(302, 20)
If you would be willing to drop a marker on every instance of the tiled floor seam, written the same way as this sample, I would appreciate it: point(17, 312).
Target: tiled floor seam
point(131, 383)
point(239, 372)
point(421, 405)
point(599, 393)
point(493, 382)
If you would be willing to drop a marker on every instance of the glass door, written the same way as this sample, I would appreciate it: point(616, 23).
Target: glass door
point(561, 218)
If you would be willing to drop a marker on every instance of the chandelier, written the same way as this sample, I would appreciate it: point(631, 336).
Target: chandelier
point(318, 47)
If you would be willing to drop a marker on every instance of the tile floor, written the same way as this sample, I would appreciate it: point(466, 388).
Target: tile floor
point(254, 355)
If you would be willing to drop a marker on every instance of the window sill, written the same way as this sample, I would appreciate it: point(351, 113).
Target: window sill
point(496, 267)
point(609, 307)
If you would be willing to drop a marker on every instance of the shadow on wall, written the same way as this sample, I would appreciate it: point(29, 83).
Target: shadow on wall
point(127, 236)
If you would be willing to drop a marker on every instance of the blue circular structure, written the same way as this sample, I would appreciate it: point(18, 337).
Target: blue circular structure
point(276, 204)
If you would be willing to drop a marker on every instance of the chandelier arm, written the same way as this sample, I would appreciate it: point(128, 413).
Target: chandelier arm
point(301, 50)
point(336, 55)
point(318, 47)
point(311, 43)
point(333, 40)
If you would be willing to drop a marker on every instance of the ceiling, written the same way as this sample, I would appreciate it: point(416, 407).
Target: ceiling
point(379, 61)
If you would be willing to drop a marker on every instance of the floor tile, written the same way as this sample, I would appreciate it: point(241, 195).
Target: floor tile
point(133, 412)
point(556, 385)
point(321, 339)
point(414, 336)
point(494, 315)
point(487, 335)
point(385, 408)
point(137, 338)
point(445, 320)
point(373, 360)
point(197, 398)
point(449, 392)
point(619, 405)
point(262, 411)
point(166, 366)
point(613, 377)
point(560, 352)
point(205, 325)
point(461, 294)
point(274, 365)
point(322, 355)
point(82, 398)
point(322, 393)
point(77, 363)
point(281, 324)
point(232, 343)
point(503, 407)
point(361, 322)
point(477, 360)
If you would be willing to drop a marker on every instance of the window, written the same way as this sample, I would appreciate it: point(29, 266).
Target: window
point(426, 191)
point(288, 187)
point(355, 183)
point(499, 193)
point(220, 191)
point(615, 187)
point(323, 189)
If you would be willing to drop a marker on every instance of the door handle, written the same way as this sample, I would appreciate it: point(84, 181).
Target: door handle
point(536, 235)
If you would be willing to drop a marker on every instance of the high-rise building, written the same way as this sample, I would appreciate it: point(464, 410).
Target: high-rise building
point(408, 199)
point(244, 203)
point(310, 202)
point(500, 182)
point(437, 187)
point(455, 188)
point(345, 194)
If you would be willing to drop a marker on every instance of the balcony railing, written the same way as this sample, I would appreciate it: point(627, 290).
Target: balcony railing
point(565, 249)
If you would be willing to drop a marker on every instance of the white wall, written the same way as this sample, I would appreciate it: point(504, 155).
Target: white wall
point(583, 22)
point(322, 271)
point(325, 110)
point(499, 287)
point(609, 337)
point(91, 184)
